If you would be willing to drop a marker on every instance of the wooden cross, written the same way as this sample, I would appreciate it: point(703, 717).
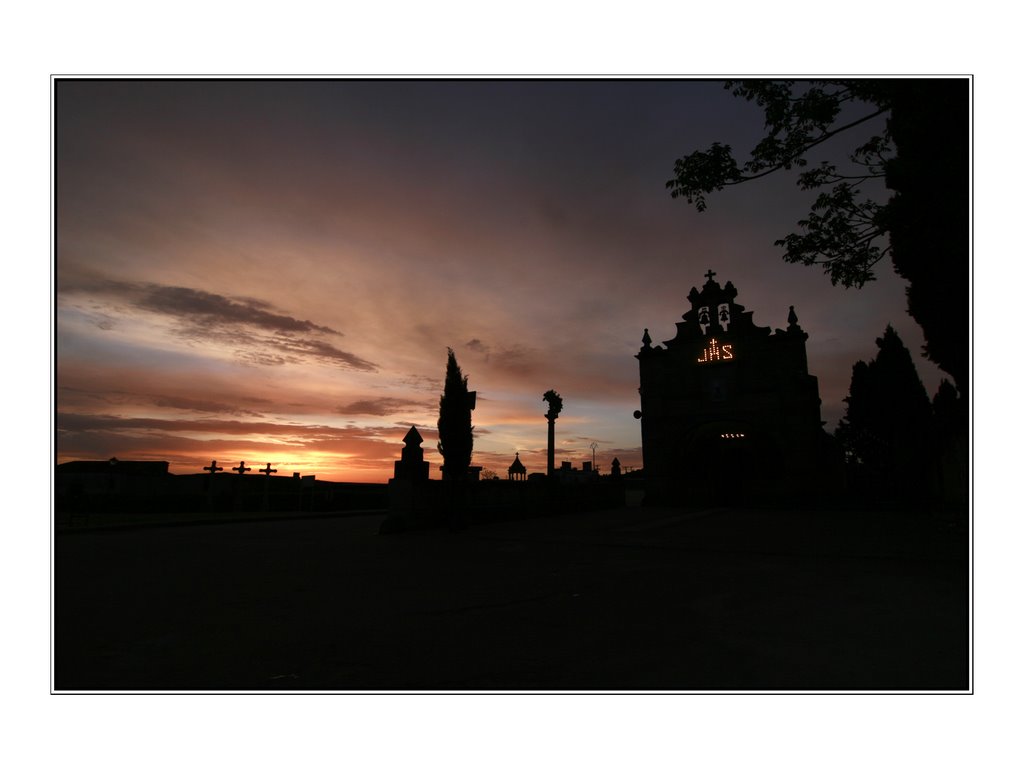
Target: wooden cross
point(710, 274)
point(213, 467)
point(268, 470)
point(241, 468)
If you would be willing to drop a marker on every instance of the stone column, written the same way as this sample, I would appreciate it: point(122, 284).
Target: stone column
point(551, 445)
point(554, 407)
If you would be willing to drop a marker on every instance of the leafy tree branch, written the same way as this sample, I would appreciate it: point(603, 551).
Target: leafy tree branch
point(921, 152)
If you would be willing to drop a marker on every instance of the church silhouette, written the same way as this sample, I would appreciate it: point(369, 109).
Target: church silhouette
point(728, 410)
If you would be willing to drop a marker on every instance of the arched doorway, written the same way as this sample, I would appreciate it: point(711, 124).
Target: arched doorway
point(731, 462)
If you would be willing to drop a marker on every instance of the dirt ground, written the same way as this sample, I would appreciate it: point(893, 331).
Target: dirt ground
point(631, 599)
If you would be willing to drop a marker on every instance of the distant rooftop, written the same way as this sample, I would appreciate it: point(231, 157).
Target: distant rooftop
point(113, 465)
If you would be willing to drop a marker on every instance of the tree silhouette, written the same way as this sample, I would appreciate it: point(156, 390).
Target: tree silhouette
point(946, 408)
point(888, 427)
point(454, 422)
point(951, 447)
point(922, 155)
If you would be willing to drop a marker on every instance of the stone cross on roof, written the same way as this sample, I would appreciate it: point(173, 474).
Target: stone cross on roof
point(268, 470)
point(241, 468)
point(710, 274)
point(213, 467)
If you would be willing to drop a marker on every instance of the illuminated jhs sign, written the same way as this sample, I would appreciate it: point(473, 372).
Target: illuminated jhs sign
point(716, 352)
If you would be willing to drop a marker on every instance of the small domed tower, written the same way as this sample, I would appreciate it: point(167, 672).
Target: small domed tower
point(517, 471)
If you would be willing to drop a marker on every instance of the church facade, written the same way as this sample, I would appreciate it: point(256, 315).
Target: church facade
point(728, 410)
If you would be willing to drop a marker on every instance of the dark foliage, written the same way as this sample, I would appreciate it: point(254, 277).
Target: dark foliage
point(888, 428)
point(947, 408)
point(454, 422)
point(921, 154)
point(949, 415)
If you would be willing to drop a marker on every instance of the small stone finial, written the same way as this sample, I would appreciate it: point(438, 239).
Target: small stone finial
point(792, 316)
point(646, 339)
point(412, 466)
point(710, 275)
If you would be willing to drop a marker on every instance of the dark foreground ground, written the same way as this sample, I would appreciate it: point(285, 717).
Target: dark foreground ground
point(633, 599)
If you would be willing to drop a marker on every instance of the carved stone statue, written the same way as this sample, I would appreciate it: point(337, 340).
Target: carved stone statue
point(554, 404)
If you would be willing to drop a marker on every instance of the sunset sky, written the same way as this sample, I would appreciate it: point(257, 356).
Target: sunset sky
point(271, 271)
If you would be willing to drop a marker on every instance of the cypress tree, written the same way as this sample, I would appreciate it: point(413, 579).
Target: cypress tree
point(454, 422)
point(888, 424)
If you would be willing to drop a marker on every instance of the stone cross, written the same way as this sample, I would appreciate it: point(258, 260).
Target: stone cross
point(241, 468)
point(710, 274)
point(268, 470)
point(213, 467)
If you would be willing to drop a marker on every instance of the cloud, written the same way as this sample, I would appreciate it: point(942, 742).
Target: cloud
point(294, 351)
point(326, 351)
point(199, 405)
point(203, 308)
point(85, 388)
point(381, 407)
point(111, 434)
point(76, 422)
point(516, 359)
point(428, 432)
point(422, 382)
point(260, 333)
point(259, 358)
point(76, 397)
